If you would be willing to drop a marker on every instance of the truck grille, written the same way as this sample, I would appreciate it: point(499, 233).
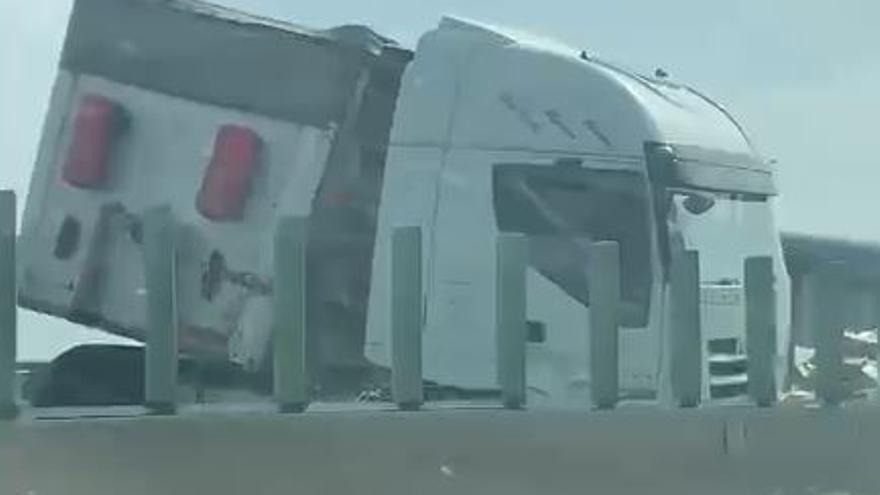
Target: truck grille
point(728, 369)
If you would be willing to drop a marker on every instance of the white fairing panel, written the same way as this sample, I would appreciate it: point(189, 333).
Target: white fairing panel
point(415, 188)
point(160, 159)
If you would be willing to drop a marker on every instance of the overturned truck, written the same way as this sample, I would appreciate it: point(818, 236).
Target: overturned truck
point(235, 121)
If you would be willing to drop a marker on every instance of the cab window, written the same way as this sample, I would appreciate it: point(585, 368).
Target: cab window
point(563, 209)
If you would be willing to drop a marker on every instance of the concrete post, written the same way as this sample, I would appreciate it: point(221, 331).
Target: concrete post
point(510, 314)
point(686, 341)
point(406, 317)
point(291, 380)
point(826, 324)
point(8, 296)
point(160, 264)
point(604, 293)
point(761, 329)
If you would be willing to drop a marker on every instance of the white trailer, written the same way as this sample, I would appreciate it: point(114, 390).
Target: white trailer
point(235, 121)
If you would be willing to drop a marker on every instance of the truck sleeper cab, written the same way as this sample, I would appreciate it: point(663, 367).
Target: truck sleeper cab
point(496, 132)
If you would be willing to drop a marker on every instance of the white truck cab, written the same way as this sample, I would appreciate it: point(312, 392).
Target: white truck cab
point(498, 132)
point(235, 121)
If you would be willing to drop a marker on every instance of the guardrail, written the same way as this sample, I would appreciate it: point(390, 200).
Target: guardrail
point(684, 346)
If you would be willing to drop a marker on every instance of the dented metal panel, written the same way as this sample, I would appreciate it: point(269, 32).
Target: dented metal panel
point(213, 55)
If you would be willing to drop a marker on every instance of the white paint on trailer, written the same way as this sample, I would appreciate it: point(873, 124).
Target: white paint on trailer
point(161, 159)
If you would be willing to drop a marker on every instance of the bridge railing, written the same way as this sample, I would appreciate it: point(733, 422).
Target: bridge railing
point(683, 365)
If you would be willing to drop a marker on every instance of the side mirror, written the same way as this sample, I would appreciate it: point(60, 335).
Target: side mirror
point(697, 204)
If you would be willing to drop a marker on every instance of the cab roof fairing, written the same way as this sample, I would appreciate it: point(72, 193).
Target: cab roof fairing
point(674, 113)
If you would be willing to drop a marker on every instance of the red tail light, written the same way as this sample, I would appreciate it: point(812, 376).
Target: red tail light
point(227, 181)
point(98, 124)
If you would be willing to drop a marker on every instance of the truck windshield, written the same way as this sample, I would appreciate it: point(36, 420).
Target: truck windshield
point(725, 235)
point(563, 209)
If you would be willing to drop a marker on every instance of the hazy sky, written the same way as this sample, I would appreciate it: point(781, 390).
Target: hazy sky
point(802, 75)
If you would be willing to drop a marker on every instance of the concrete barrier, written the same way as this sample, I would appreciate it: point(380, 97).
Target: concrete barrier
point(761, 330)
point(826, 322)
point(511, 259)
point(8, 296)
point(686, 342)
point(291, 382)
point(406, 317)
point(626, 451)
point(604, 290)
point(160, 270)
